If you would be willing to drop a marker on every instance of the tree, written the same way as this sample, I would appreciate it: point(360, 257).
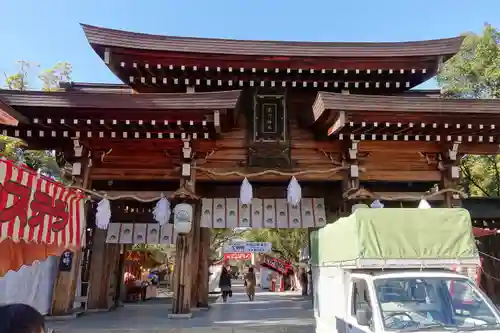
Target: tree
point(51, 77)
point(14, 149)
point(221, 236)
point(20, 79)
point(475, 73)
point(286, 243)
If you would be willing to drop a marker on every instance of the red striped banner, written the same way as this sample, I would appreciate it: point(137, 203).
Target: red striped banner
point(36, 209)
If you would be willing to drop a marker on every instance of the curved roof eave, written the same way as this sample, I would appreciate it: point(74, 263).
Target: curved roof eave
point(106, 37)
point(102, 100)
point(383, 103)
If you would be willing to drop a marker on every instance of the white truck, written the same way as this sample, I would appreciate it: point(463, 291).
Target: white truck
point(389, 270)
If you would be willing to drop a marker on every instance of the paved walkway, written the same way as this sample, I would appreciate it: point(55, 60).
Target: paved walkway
point(270, 312)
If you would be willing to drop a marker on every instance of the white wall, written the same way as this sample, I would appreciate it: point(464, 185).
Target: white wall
point(30, 285)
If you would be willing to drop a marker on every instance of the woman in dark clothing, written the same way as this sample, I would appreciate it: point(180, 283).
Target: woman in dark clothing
point(304, 280)
point(21, 318)
point(225, 283)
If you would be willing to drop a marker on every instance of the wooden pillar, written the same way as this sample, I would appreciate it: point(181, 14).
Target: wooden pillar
point(204, 256)
point(103, 278)
point(65, 285)
point(350, 182)
point(187, 255)
point(450, 174)
point(194, 254)
point(97, 265)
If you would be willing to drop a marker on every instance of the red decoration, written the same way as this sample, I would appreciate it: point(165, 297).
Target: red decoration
point(276, 264)
point(35, 208)
point(481, 232)
point(238, 256)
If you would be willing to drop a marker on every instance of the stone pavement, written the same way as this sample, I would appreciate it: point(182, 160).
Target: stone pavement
point(270, 312)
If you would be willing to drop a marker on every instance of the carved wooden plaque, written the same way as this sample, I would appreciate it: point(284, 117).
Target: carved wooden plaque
point(269, 119)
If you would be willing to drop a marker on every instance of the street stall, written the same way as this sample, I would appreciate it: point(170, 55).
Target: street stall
point(39, 217)
point(141, 282)
point(276, 274)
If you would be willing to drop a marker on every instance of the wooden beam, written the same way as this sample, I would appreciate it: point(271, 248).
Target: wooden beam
point(173, 174)
point(338, 124)
point(400, 176)
point(424, 147)
point(9, 116)
point(144, 195)
point(190, 60)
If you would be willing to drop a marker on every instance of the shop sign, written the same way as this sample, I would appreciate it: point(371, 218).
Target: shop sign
point(237, 256)
point(253, 247)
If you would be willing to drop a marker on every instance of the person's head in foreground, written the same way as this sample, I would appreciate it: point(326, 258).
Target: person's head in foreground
point(21, 318)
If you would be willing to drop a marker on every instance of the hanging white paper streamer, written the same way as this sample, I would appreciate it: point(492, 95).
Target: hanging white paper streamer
point(377, 204)
point(162, 210)
point(246, 192)
point(294, 192)
point(423, 204)
point(103, 214)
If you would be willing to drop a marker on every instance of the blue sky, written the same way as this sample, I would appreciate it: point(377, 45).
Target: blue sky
point(48, 31)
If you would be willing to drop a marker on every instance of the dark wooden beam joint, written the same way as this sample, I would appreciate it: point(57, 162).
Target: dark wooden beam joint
point(350, 182)
point(107, 56)
point(450, 173)
point(187, 155)
point(76, 169)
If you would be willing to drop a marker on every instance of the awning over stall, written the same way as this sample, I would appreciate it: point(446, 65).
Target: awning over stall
point(38, 217)
point(281, 266)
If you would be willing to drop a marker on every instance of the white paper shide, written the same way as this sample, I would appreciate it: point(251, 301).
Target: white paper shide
point(103, 214)
point(162, 210)
point(294, 192)
point(246, 192)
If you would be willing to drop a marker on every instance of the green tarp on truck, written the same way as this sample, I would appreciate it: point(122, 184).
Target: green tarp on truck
point(385, 237)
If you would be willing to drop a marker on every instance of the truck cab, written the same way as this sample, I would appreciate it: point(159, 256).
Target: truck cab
point(390, 270)
point(387, 301)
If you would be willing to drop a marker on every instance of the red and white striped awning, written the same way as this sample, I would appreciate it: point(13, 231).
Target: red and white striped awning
point(38, 217)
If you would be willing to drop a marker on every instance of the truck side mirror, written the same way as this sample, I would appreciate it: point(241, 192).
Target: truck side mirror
point(363, 316)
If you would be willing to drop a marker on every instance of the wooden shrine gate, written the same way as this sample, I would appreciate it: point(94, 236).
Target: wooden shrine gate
point(196, 117)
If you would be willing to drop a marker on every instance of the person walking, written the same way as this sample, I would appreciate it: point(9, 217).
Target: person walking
point(304, 280)
point(250, 283)
point(225, 283)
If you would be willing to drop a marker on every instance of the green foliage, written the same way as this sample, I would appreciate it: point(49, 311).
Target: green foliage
point(20, 79)
point(52, 76)
point(475, 73)
point(481, 175)
point(286, 243)
point(220, 236)
point(14, 149)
